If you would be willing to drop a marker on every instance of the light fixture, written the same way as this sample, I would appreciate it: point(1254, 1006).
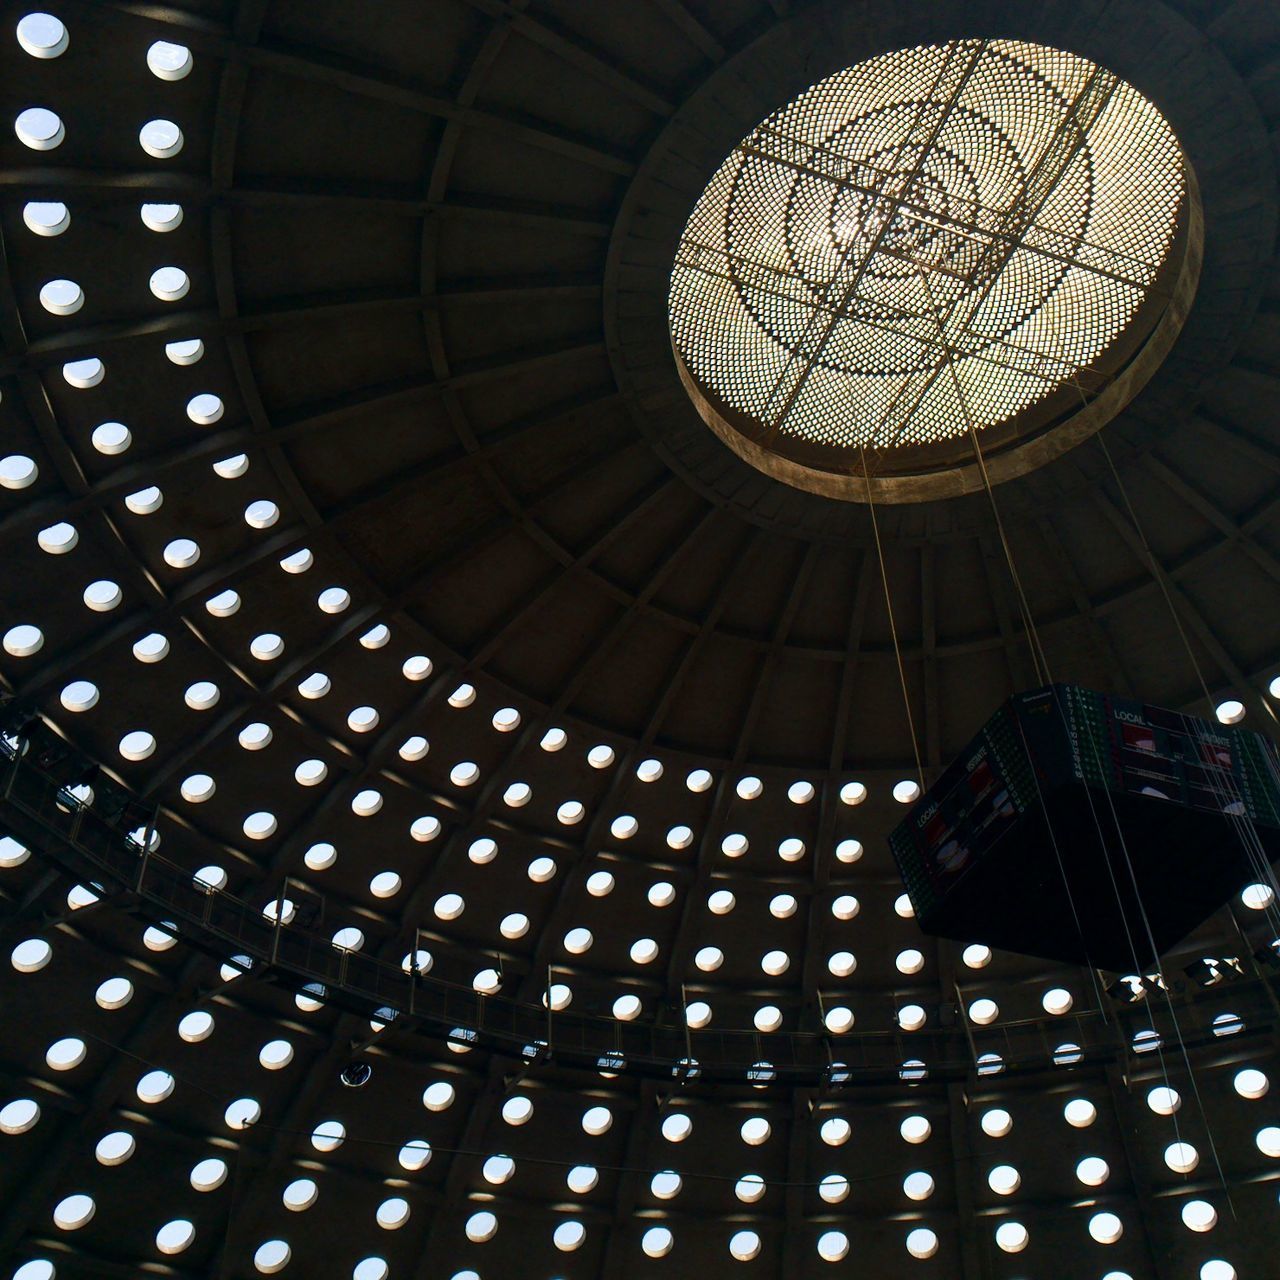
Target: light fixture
point(535, 1052)
point(835, 1075)
point(842, 284)
point(1208, 972)
point(1128, 990)
point(355, 1075)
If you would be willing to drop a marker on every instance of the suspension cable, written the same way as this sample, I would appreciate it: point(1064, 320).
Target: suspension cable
point(1254, 852)
point(1038, 660)
point(1156, 571)
point(893, 627)
point(1155, 957)
point(1041, 664)
point(1042, 668)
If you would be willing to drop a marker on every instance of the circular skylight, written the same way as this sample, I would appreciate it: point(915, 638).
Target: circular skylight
point(939, 243)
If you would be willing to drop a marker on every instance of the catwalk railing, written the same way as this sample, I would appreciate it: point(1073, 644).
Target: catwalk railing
point(101, 836)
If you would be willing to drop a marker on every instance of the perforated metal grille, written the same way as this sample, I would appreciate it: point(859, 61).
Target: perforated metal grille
point(935, 236)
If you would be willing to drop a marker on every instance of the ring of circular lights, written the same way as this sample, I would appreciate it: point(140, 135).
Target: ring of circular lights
point(978, 246)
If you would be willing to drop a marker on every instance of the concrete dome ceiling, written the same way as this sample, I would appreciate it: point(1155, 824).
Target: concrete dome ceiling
point(355, 516)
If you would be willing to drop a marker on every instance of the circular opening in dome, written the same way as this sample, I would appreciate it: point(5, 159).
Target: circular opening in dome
point(1106, 1228)
point(71, 1213)
point(328, 1135)
point(801, 792)
point(243, 1113)
point(1257, 897)
point(209, 1174)
point(656, 1242)
point(300, 1195)
point(677, 1126)
point(839, 1021)
point(649, 770)
point(768, 1018)
point(42, 35)
point(115, 1148)
point(882, 276)
point(61, 297)
point(111, 438)
point(1057, 1000)
point(196, 1026)
point(515, 925)
point(1012, 1237)
point(84, 374)
point(571, 812)
point(911, 1017)
point(161, 218)
point(915, 1129)
point(39, 128)
point(835, 1132)
point(1080, 1113)
point(597, 1120)
point(272, 1256)
point(849, 850)
point(832, 1246)
point(1199, 1215)
point(984, 1010)
point(393, 1213)
point(170, 284)
point(46, 217)
point(114, 993)
point(1251, 1083)
point(922, 1243)
point(415, 1155)
point(845, 907)
point(58, 539)
point(31, 956)
point(160, 138)
point(66, 1054)
point(568, 1236)
point(19, 1116)
point(996, 1123)
point(169, 61)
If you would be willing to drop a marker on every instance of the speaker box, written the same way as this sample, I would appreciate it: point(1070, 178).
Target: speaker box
point(1091, 829)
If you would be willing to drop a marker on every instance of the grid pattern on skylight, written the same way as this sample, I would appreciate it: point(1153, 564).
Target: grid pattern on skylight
point(942, 234)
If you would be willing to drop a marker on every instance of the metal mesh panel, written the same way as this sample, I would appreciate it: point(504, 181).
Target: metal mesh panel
point(940, 234)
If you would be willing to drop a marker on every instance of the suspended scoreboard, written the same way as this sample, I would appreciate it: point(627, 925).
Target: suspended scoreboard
point(1091, 829)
